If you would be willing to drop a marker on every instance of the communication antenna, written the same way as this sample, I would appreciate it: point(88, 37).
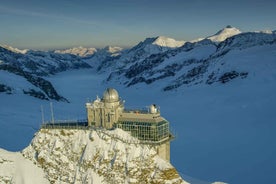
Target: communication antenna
point(42, 114)
point(52, 112)
point(148, 108)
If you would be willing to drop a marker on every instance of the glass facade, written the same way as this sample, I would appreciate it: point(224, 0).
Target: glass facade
point(146, 131)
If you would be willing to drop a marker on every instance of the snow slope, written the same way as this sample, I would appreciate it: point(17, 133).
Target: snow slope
point(14, 168)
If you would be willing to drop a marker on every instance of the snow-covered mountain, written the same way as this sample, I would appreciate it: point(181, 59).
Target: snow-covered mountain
point(225, 33)
point(167, 42)
point(94, 156)
point(78, 51)
point(200, 62)
point(24, 71)
point(111, 51)
point(107, 52)
point(104, 55)
point(16, 50)
point(41, 63)
point(152, 47)
point(141, 51)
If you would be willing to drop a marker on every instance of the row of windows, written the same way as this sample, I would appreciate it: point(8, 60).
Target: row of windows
point(146, 131)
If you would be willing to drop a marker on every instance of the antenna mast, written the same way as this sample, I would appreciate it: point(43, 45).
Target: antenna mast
point(42, 114)
point(52, 112)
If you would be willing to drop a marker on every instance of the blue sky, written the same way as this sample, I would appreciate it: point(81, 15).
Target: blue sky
point(53, 24)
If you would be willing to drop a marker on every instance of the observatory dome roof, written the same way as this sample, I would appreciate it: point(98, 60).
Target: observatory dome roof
point(110, 95)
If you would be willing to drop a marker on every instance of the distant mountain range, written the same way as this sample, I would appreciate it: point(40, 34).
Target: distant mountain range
point(164, 60)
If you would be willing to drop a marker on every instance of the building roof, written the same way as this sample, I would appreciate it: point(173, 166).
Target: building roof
point(110, 95)
point(141, 117)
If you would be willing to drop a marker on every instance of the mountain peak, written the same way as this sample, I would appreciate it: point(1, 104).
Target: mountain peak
point(78, 51)
point(224, 33)
point(111, 49)
point(167, 42)
point(229, 26)
point(16, 50)
point(265, 31)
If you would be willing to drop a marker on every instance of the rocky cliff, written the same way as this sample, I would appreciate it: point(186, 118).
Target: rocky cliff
point(97, 156)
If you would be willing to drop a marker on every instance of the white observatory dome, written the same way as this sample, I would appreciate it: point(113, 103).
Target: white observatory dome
point(110, 95)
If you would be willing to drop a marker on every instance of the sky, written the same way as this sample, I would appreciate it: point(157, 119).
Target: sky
point(57, 24)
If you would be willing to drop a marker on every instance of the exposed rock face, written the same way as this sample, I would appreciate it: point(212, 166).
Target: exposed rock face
point(95, 156)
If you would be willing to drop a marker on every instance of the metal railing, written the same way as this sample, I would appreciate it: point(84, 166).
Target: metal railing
point(137, 110)
point(65, 124)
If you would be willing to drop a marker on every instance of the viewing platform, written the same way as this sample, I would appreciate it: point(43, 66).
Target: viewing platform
point(65, 124)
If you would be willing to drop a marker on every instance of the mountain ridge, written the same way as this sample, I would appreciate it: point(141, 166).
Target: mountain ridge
point(193, 63)
point(78, 51)
point(33, 67)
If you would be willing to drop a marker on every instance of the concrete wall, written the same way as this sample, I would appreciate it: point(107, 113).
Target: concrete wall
point(164, 151)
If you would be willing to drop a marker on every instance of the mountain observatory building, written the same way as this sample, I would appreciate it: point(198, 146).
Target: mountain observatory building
point(147, 125)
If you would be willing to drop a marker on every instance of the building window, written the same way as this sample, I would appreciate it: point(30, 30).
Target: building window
point(145, 130)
